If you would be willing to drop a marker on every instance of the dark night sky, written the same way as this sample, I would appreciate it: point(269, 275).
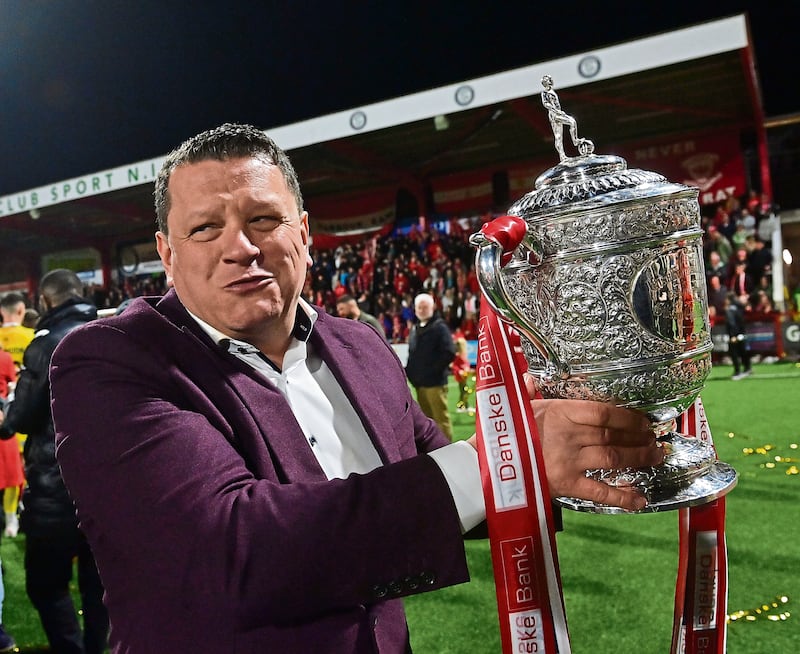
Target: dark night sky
point(89, 85)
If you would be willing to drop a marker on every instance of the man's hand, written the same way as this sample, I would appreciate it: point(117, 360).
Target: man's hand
point(581, 435)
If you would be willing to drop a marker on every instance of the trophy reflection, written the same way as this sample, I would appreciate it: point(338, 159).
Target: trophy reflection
point(607, 290)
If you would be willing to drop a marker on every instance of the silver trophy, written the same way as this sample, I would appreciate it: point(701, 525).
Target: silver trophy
point(608, 292)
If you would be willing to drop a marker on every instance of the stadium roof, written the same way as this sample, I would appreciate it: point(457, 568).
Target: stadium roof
point(673, 84)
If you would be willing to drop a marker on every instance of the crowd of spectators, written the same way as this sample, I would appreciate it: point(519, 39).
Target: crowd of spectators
point(738, 256)
point(384, 274)
point(111, 296)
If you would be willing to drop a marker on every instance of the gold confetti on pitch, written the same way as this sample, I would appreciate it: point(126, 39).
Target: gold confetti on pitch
point(777, 460)
point(763, 612)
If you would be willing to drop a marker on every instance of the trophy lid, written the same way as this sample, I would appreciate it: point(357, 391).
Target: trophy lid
point(586, 179)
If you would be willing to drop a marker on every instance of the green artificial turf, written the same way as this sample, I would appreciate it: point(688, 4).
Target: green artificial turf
point(20, 619)
point(618, 572)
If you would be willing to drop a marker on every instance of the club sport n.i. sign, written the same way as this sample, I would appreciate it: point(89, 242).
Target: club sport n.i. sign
point(105, 181)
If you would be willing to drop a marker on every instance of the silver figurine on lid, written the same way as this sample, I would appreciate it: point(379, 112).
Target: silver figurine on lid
point(608, 292)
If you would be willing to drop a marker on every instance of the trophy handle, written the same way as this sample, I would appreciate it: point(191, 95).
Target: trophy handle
point(496, 242)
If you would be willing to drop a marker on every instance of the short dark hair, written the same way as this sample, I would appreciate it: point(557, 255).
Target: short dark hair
point(60, 285)
point(10, 300)
point(345, 298)
point(228, 141)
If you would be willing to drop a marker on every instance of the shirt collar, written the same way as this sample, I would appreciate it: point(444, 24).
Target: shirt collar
point(304, 320)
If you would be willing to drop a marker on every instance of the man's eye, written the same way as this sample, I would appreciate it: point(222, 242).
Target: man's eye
point(265, 222)
point(202, 232)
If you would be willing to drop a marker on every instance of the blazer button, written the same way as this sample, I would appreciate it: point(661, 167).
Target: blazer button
point(428, 578)
point(379, 590)
point(395, 588)
point(411, 582)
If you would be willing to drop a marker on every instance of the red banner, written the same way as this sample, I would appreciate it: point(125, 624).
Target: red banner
point(714, 163)
point(463, 192)
point(352, 214)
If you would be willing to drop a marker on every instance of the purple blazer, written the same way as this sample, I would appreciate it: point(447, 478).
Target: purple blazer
point(213, 526)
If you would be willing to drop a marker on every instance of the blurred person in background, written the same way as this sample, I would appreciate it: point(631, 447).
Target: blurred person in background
point(737, 337)
point(30, 318)
point(347, 307)
point(8, 376)
point(52, 537)
point(14, 336)
point(430, 352)
point(462, 373)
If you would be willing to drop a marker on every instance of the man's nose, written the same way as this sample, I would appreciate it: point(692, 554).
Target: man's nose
point(240, 247)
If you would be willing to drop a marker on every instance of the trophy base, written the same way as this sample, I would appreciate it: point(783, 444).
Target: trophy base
point(689, 476)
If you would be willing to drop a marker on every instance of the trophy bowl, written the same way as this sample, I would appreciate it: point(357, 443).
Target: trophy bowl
point(607, 290)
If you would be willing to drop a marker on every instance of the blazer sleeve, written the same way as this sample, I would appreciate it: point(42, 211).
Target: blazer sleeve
point(170, 506)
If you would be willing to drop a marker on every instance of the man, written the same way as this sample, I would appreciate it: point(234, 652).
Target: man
point(720, 244)
point(737, 338)
point(717, 294)
point(8, 376)
point(52, 537)
point(431, 350)
point(347, 307)
point(14, 336)
point(741, 282)
point(716, 267)
point(261, 479)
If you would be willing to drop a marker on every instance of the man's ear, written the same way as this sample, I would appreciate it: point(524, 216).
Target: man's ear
point(165, 254)
point(307, 238)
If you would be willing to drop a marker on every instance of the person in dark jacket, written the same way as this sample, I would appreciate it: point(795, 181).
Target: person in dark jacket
point(737, 337)
point(431, 350)
point(48, 519)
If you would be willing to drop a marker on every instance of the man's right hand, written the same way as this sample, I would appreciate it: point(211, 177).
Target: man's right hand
point(581, 435)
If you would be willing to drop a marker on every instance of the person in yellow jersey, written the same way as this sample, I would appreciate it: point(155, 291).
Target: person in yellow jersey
point(14, 336)
point(14, 339)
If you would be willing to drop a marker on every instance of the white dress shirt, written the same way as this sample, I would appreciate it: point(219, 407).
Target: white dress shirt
point(332, 428)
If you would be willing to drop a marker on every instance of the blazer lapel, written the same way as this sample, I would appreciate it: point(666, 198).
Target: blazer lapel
point(252, 403)
point(351, 365)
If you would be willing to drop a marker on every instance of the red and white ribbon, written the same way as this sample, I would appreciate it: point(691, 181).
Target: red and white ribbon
point(701, 590)
point(518, 509)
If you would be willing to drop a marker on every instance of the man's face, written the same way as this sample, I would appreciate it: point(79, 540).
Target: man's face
point(237, 249)
point(424, 309)
point(346, 309)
